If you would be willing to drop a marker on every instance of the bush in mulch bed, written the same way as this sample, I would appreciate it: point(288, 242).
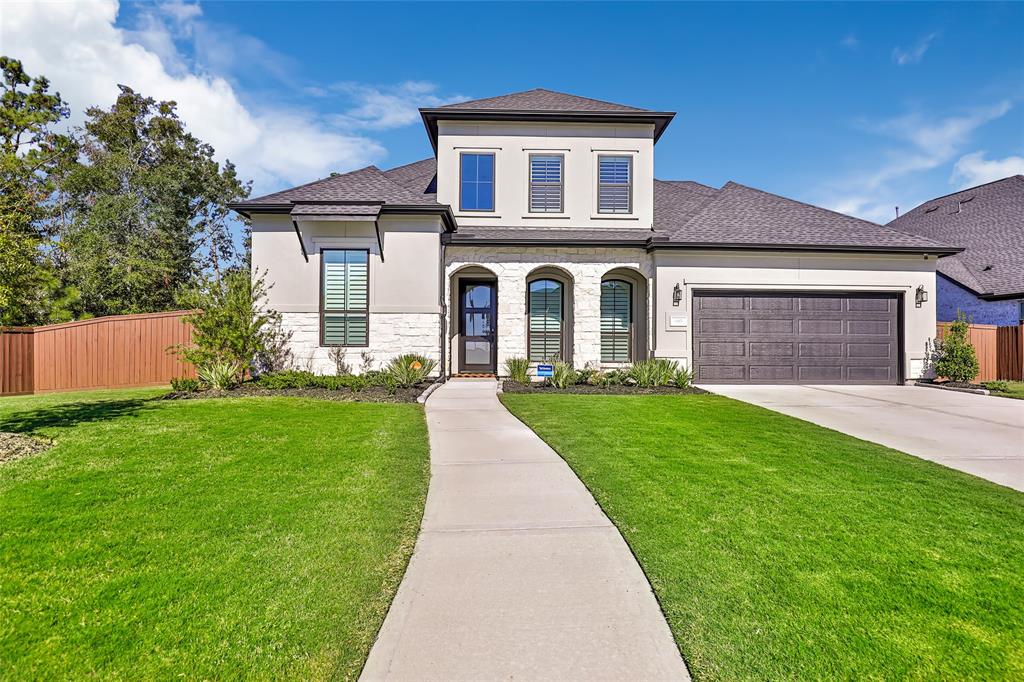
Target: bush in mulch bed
point(370, 394)
point(622, 389)
point(952, 384)
point(17, 446)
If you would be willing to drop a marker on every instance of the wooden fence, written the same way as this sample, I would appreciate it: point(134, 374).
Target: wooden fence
point(104, 352)
point(1000, 350)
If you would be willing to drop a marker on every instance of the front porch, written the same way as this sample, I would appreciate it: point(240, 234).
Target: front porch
point(583, 306)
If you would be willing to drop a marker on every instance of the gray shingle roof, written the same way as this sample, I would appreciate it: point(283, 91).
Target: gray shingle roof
point(419, 176)
point(737, 215)
point(988, 221)
point(334, 211)
point(368, 184)
point(539, 99)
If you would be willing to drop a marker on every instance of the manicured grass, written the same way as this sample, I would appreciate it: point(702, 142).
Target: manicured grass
point(782, 550)
point(208, 539)
point(1015, 390)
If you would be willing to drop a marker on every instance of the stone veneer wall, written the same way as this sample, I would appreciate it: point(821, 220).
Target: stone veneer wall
point(512, 265)
point(391, 334)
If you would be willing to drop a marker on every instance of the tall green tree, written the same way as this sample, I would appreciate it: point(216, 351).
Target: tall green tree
point(30, 151)
point(148, 208)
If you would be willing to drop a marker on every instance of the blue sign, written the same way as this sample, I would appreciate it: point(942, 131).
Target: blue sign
point(545, 370)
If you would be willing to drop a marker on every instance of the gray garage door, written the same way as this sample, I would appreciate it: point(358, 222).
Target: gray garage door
point(795, 338)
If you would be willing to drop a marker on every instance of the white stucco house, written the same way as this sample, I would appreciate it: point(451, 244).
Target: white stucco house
point(537, 229)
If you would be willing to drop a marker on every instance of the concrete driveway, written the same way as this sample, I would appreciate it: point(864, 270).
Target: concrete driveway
point(981, 435)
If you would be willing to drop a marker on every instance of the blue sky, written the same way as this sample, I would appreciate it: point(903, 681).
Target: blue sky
point(857, 107)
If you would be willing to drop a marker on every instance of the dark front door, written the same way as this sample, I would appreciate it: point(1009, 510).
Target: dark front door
point(742, 337)
point(478, 347)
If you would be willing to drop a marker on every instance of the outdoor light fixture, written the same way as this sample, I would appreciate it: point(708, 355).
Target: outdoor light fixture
point(677, 294)
point(920, 295)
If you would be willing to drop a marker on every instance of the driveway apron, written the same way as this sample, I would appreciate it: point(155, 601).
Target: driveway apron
point(517, 573)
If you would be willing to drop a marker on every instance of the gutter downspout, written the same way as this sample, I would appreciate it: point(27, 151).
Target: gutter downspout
point(302, 244)
point(442, 316)
point(380, 244)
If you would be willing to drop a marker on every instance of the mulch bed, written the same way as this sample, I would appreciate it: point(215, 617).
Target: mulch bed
point(587, 389)
point(17, 446)
point(370, 394)
point(952, 384)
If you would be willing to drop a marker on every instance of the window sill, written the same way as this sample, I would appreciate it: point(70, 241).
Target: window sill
point(613, 216)
point(474, 214)
point(547, 216)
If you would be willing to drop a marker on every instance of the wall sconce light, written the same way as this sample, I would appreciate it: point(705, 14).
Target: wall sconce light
point(920, 295)
point(677, 295)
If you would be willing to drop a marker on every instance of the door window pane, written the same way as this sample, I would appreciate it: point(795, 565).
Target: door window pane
point(477, 324)
point(477, 296)
point(478, 353)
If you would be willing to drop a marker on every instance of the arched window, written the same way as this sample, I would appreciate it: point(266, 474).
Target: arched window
point(616, 320)
point(546, 312)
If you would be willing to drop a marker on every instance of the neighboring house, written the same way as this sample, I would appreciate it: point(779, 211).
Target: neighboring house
point(538, 230)
point(986, 280)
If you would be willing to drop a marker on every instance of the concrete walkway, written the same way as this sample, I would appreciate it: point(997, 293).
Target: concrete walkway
point(982, 435)
point(517, 574)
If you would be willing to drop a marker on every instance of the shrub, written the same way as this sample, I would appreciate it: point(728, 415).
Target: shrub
point(288, 378)
point(408, 370)
point(184, 385)
point(998, 386)
point(220, 376)
point(231, 324)
point(337, 355)
point(683, 378)
point(518, 370)
point(588, 375)
point(562, 375)
point(955, 358)
point(653, 372)
point(613, 377)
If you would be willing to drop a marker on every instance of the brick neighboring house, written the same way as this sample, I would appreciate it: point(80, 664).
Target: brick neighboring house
point(985, 280)
point(537, 229)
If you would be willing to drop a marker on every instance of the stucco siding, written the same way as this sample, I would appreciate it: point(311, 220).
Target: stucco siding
point(953, 298)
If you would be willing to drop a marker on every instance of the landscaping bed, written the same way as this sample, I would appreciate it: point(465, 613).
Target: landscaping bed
point(369, 394)
point(588, 389)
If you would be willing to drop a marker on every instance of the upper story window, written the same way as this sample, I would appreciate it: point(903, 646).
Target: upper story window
point(614, 184)
point(345, 282)
point(476, 182)
point(546, 183)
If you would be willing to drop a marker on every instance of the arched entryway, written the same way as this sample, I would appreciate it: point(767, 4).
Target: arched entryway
point(474, 320)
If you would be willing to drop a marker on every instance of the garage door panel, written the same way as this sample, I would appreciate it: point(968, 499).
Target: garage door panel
point(772, 326)
point(769, 337)
point(817, 327)
point(728, 325)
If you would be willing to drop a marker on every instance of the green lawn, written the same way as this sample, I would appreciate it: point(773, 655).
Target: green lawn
point(782, 550)
point(1016, 390)
point(207, 539)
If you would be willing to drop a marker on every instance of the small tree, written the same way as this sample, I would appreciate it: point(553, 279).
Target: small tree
point(232, 323)
point(955, 357)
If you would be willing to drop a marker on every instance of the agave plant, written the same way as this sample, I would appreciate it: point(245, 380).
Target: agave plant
point(563, 375)
point(220, 376)
point(408, 370)
point(653, 372)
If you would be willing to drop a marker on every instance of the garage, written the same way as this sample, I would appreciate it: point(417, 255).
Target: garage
point(775, 337)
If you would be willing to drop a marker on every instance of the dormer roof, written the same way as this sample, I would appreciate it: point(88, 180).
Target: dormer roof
point(540, 105)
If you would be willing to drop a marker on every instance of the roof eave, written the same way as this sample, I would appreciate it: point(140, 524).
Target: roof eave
point(458, 240)
point(659, 119)
point(442, 210)
point(656, 244)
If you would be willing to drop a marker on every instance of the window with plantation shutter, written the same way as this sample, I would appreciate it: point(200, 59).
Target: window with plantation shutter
point(616, 320)
point(546, 183)
point(614, 184)
point(345, 289)
point(545, 311)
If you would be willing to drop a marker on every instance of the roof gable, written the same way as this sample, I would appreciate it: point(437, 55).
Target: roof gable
point(539, 99)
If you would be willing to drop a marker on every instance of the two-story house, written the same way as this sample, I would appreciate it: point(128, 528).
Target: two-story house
point(537, 229)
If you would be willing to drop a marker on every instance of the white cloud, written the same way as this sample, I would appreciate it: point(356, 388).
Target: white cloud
point(923, 144)
point(380, 108)
point(974, 169)
point(79, 48)
point(914, 54)
point(850, 41)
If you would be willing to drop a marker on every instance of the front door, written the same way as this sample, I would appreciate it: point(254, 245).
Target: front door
point(478, 348)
